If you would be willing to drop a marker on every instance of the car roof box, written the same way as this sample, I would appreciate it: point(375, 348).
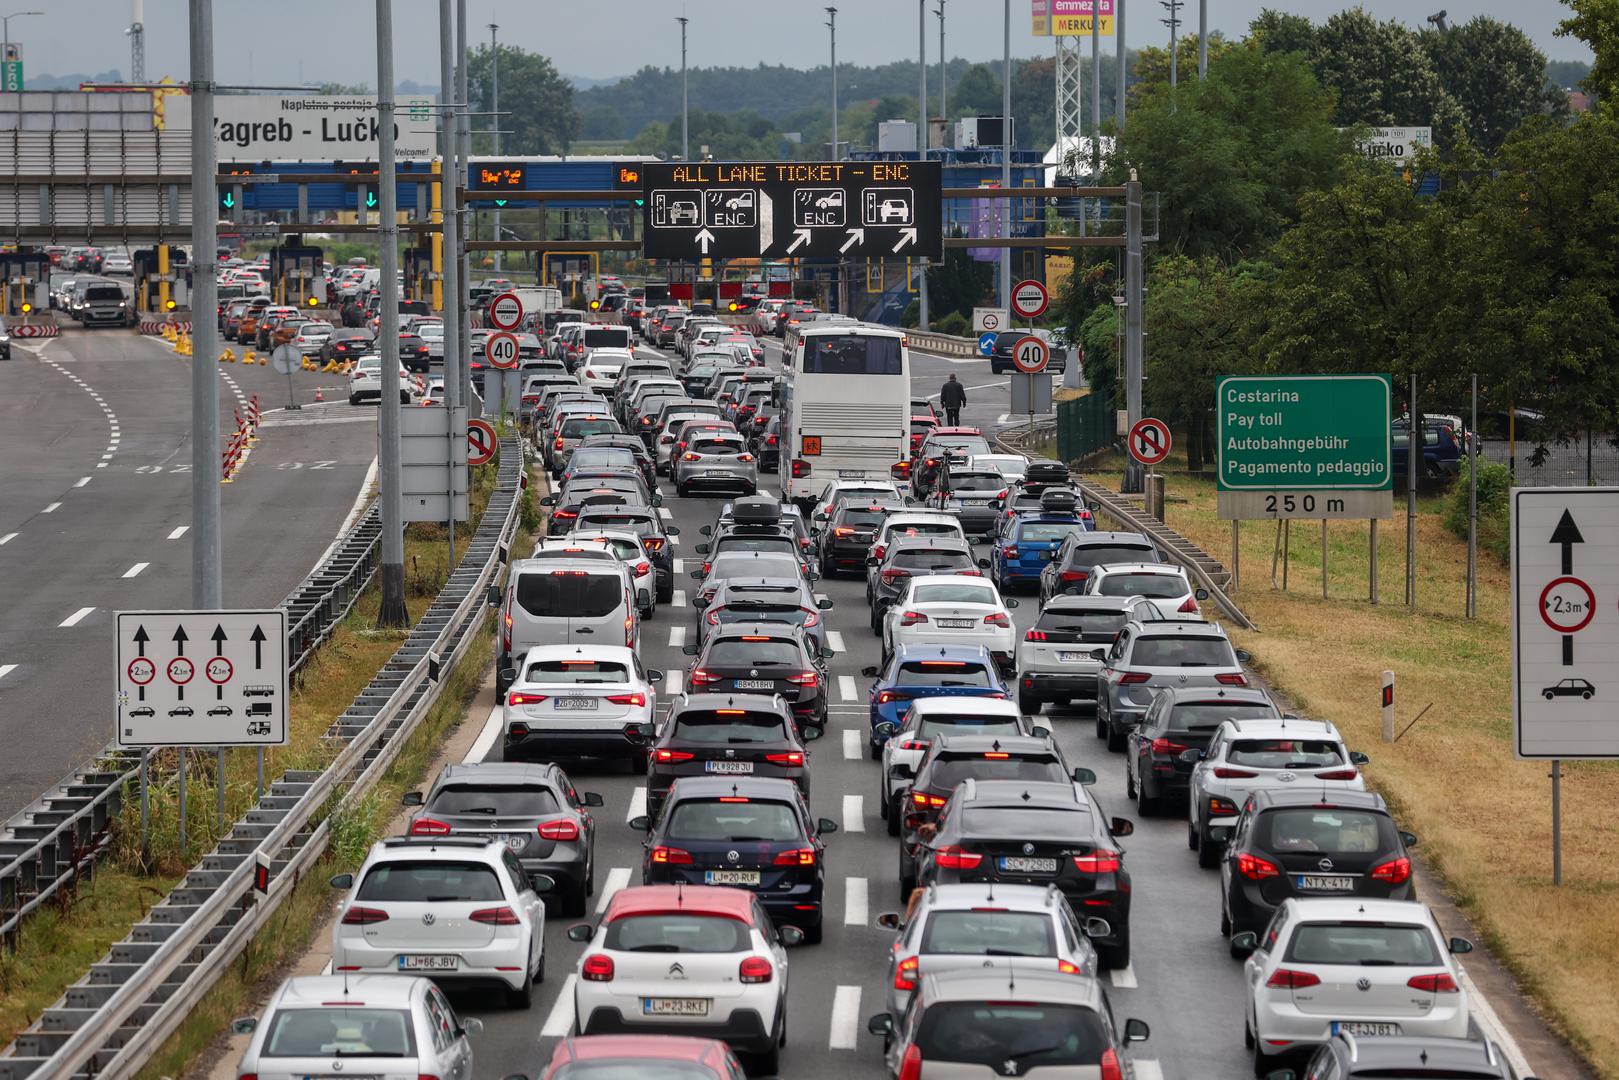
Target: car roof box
point(1046, 472)
point(756, 510)
point(1058, 500)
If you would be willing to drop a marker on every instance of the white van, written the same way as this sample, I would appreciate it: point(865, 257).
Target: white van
point(554, 601)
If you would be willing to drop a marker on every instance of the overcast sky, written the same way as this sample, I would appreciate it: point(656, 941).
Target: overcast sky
point(292, 41)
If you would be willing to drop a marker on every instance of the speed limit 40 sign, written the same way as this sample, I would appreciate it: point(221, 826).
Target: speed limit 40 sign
point(501, 349)
point(1031, 355)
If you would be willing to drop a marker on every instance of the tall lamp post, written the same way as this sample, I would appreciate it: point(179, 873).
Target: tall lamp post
point(685, 114)
point(832, 25)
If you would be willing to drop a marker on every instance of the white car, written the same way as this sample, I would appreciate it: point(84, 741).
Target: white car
point(1361, 966)
point(630, 551)
point(927, 717)
point(1164, 583)
point(1245, 755)
point(312, 337)
point(952, 609)
point(460, 910)
point(692, 959)
point(374, 1025)
point(365, 381)
point(578, 699)
point(827, 500)
point(117, 264)
point(1010, 466)
point(601, 368)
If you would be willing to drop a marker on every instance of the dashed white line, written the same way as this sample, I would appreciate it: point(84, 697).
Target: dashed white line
point(674, 681)
point(665, 513)
point(846, 688)
point(81, 481)
point(1124, 978)
point(679, 566)
point(855, 893)
point(844, 1034)
point(678, 599)
point(560, 1020)
point(177, 533)
point(637, 805)
point(6, 539)
point(76, 618)
point(617, 878)
point(135, 570)
point(7, 669)
point(851, 744)
point(677, 636)
point(1149, 1070)
point(52, 508)
point(835, 639)
point(854, 813)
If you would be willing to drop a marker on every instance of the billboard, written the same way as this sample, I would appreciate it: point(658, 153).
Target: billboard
point(265, 127)
point(1070, 18)
point(1396, 145)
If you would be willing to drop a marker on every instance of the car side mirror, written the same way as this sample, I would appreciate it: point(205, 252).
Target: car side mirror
point(790, 936)
point(1244, 656)
point(641, 824)
point(1092, 507)
point(1136, 1031)
point(696, 575)
point(812, 577)
point(690, 648)
point(701, 549)
point(825, 826)
point(869, 672)
point(812, 732)
point(1460, 945)
point(1358, 758)
point(1083, 775)
point(885, 730)
point(581, 932)
point(412, 798)
point(889, 920)
point(508, 675)
point(828, 652)
point(1408, 839)
point(1010, 602)
point(593, 798)
point(706, 530)
point(881, 1024)
point(244, 1025)
point(983, 564)
point(1098, 928)
point(1190, 757)
point(671, 530)
point(1201, 594)
point(548, 500)
point(824, 604)
point(996, 504)
point(542, 882)
point(653, 675)
point(657, 498)
point(1219, 834)
point(1040, 732)
point(870, 561)
point(1244, 943)
point(342, 881)
point(491, 596)
point(1098, 654)
point(1121, 826)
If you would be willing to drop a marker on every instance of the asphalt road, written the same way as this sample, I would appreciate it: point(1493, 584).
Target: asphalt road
point(95, 516)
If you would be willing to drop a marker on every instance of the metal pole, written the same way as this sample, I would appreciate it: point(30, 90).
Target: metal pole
point(1413, 448)
point(1323, 558)
point(219, 782)
point(944, 76)
point(182, 777)
point(1132, 322)
point(206, 581)
point(1557, 822)
point(1202, 39)
point(463, 154)
point(392, 610)
point(922, 142)
point(146, 807)
point(1118, 64)
point(1374, 560)
point(1096, 91)
point(685, 105)
point(1006, 154)
point(494, 126)
point(1236, 554)
point(258, 786)
point(832, 25)
point(1174, 56)
point(454, 344)
point(1287, 549)
point(1472, 507)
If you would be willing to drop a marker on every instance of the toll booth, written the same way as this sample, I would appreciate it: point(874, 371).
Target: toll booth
point(419, 274)
point(295, 274)
point(26, 273)
point(151, 279)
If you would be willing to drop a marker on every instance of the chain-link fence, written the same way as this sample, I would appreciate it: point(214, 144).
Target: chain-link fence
point(1576, 463)
point(1085, 425)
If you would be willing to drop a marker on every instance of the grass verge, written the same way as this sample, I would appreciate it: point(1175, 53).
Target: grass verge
point(1484, 817)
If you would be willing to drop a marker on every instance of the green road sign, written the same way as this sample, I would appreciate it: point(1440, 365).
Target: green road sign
point(12, 76)
point(1308, 446)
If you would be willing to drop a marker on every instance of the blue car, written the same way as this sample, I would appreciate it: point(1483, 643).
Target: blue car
point(1027, 540)
point(919, 671)
point(745, 832)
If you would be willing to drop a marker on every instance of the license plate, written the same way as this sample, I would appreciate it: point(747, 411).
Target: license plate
point(430, 962)
point(1326, 883)
point(728, 767)
point(755, 684)
point(1361, 1027)
point(577, 704)
point(674, 1006)
point(515, 841)
point(1073, 657)
point(1023, 864)
point(958, 624)
point(851, 474)
point(730, 877)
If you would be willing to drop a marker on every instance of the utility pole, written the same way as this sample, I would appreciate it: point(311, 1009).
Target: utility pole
point(392, 611)
point(1096, 91)
point(206, 582)
point(463, 155)
point(1173, 22)
point(922, 143)
point(1118, 64)
point(494, 122)
point(944, 77)
point(1006, 154)
point(454, 343)
point(685, 101)
point(832, 25)
point(1133, 299)
point(1203, 47)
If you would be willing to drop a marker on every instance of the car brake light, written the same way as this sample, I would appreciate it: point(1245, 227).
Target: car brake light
point(923, 798)
point(429, 827)
point(804, 856)
point(670, 757)
point(843, 530)
point(1075, 575)
point(1440, 983)
point(643, 569)
point(518, 698)
point(755, 969)
point(703, 678)
point(886, 696)
point(559, 442)
point(653, 544)
point(1068, 967)
point(518, 731)
point(637, 699)
point(561, 829)
point(1035, 635)
point(1133, 678)
point(999, 618)
point(1164, 746)
point(910, 1067)
point(1010, 551)
point(773, 440)
point(597, 968)
point(1254, 868)
point(1225, 772)
point(1111, 1070)
point(801, 468)
point(1231, 678)
point(805, 678)
point(671, 856)
point(894, 574)
point(955, 858)
point(911, 618)
point(363, 916)
point(786, 757)
point(1288, 979)
point(1100, 861)
point(495, 916)
point(1395, 871)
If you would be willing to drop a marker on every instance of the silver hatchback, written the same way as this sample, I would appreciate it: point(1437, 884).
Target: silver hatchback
point(719, 461)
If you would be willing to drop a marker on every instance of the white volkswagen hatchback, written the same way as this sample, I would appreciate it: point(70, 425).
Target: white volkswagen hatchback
point(952, 609)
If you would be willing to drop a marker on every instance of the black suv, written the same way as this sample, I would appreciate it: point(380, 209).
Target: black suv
point(1080, 552)
point(1308, 844)
point(726, 735)
point(763, 658)
point(1181, 719)
point(908, 558)
point(1019, 832)
point(768, 600)
point(845, 539)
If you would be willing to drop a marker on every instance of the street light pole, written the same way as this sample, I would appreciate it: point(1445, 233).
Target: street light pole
point(944, 76)
point(832, 25)
point(494, 121)
point(1118, 65)
point(922, 142)
point(450, 261)
point(1006, 155)
point(1203, 45)
point(685, 104)
point(391, 612)
point(5, 31)
point(206, 558)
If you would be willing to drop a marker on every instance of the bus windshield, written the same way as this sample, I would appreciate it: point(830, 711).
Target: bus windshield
point(852, 354)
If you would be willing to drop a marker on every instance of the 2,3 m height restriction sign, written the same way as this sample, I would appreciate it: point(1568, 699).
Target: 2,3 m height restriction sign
point(1149, 440)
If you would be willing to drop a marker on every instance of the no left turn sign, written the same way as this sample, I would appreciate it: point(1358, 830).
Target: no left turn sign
point(501, 349)
point(1029, 299)
point(480, 442)
point(1149, 440)
point(506, 312)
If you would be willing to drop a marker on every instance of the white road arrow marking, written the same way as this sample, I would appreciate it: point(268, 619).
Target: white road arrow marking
point(704, 238)
point(800, 237)
point(906, 236)
point(856, 236)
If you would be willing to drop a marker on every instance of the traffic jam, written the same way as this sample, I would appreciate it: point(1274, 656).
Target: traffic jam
point(861, 746)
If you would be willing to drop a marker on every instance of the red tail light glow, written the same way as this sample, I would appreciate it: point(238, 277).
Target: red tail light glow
point(787, 757)
point(519, 698)
point(954, 858)
point(703, 678)
point(429, 827)
point(801, 468)
point(924, 798)
point(805, 678)
point(1225, 772)
point(1164, 746)
point(894, 574)
point(910, 1068)
point(671, 856)
point(597, 968)
point(1035, 635)
point(1100, 861)
point(495, 916)
point(755, 969)
point(1074, 577)
point(905, 973)
point(1394, 872)
point(1254, 868)
point(670, 757)
point(1133, 678)
point(1288, 979)
point(1441, 983)
point(1230, 678)
point(1338, 774)
point(803, 856)
point(1189, 605)
point(561, 829)
point(363, 916)
point(999, 618)
point(1111, 1070)
point(912, 618)
point(636, 699)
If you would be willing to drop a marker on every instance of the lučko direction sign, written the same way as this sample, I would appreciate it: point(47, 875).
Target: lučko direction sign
point(1305, 446)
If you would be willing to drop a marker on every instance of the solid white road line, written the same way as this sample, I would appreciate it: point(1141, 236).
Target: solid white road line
point(52, 508)
point(81, 481)
point(1123, 978)
point(1149, 1070)
point(7, 669)
point(845, 1032)
point(177, 533)
point(136, 569)
point(677, 636)
point(851, 744)
point(486, 739)
point(678, 599)
point(674, 681)
point(560, 1020)
point(854, 901)
point(854, 813)
point(76, 618)
point(835, 639)
point(1484, 1013)
point(617, 878)
point(6, 539)
point(846, 689)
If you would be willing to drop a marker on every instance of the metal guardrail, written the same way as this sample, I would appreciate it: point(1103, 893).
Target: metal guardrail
point(115, 1018)
point(948, 344)
point(56, 839)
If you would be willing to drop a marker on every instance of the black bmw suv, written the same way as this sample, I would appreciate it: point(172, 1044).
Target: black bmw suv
point(727, 735)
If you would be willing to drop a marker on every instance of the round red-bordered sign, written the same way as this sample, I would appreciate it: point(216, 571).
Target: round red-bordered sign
point(506, 312)
point(141, 671)
point(481, 444)
point(219, 669)
point(1149, 440)
point(181, 671)
point(1031, 355)
point(502, 351)
point(1029, 299)
point(1548, 602)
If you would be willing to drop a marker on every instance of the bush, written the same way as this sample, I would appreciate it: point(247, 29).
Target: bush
point(954, 323)
point(912, 315)
point(1494, 521)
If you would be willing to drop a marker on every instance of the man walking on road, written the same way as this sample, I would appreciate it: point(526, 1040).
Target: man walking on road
point(952, 396)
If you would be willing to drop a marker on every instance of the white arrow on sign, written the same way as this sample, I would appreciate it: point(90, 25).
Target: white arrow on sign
point(856, 236)
point(704, 238)
point(906, 236)
point(800, 237)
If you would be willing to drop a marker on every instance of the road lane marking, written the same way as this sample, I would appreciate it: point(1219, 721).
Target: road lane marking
point(835, 639)
point(136, 569)
point(851, 744)
point(617, 878)
point(6, 539)
point(855, 893)
point(76, 618)
point(1485, 1015)
point(1123, 978)
point(665, 513)
point(854, 813)
point(81, 481)
point(677, 636)
point(845, 1032)
point(1149, 1070)
point(637, 804)
point(846, 688)
point(679, 566)
point(486, 738)
point(52, 508)
point(560, 1020)
point(177, 533)
point(7, 669)
point(674, 681)
point(678, 599)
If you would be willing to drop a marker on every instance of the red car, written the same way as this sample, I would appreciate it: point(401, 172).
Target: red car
point(593, 1057)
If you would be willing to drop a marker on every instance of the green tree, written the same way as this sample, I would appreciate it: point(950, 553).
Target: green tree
point(1152, 63)
point(1381, 74)
point(1495, 75)
point(536, 103)
point(1596, 22)
point(1278, 31)
point(978, 93)
point(959, 283)
point(1231, 154)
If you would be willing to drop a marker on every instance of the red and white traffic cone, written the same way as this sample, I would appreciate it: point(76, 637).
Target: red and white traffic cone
point(320, 394)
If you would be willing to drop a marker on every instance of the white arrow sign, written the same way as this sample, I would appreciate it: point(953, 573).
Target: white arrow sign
point(906, 236)
point(856, 236)
point(704, 238)
point(800, 238)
